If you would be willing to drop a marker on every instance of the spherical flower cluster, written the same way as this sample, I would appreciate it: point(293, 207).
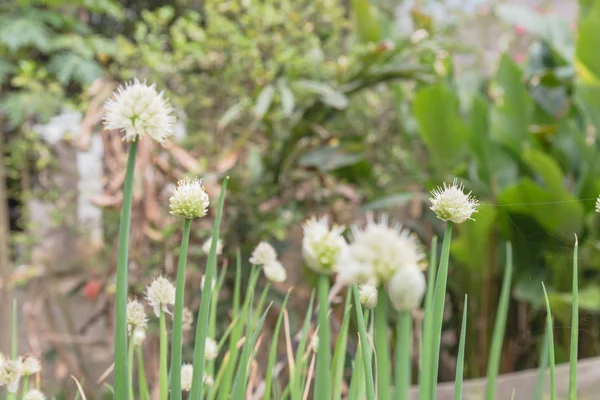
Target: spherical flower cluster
point(211, 349)
point(34, 395)
point(30, 366)
point(187, 374)
point(406, 288)
point(322, 246)
point(450, 203)
point(160, 293)
point(368, 295)
point(208, 243)
point(10, 373)
point(139, 110)
point(189, 199)
point(263, 254)
point(187, 319)
point(139, 335)
point(376, 252)
point(136, 316)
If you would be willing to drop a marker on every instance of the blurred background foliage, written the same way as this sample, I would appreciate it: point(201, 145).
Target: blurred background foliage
point(323, 106)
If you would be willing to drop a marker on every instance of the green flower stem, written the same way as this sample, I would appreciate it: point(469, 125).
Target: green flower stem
point(144, 392)
point(574, 328)
point(196, 392)
point(538, 394)
point(130, 368)
point(460, 359)
point(403, 358)
point(323, 371)
point(550, 328)
point(176, 340)
point(364, 345)
point(120, 374)
point(261, 303)
point(25, 385)
point(384, 380)
point(499, 327)
point(439, 299)
point(163, 375)
point(425, 354)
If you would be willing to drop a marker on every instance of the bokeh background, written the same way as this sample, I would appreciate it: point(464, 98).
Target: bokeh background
point(313, 107)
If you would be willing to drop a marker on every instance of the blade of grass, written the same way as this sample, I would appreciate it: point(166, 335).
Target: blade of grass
point(273, 350)
point(382, 350)
point(212, 324)
point(120, 374)
point(196, 391)
point(163, 374)
point(296, 383)
point(427, 337)
point(339, 354)
point(323, 373)
point(261, 302)
point(539, 385)
point(404, 331)
point(357, 382)
point(499, 328)
point(460, 359)
point(574, 327)
point(177, 335)
point(130, 369)
point(142, 383)
point(550, 344)
point(364, 343)
point(438, 303)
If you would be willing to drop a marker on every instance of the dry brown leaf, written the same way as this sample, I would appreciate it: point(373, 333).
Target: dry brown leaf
point(227, 162)
point(184, 158)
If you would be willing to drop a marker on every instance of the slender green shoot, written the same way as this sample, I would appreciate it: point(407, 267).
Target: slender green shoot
point(144, 392)
point(163, 374)
point(130, 368)
point(273, 350)
point(574, 327)
point(323, 373)
point(177, 335)
point(439, 300)
point(499, 328)
point(296, 380)
point(550, 344)
point(205, 300)
point(404, 336)
point(460, 359)
point(382, 349)
point(539, 384)
point(339, 354)
point(427, 335)
point(120, 373)
point(364, 344)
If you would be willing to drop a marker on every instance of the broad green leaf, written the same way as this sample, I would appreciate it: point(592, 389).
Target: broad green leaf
point(444, 133)
point(287, 98)
point(366, 21)
point(232, 114)
point(473, 244)
point(326, 92)
point(513, 108)
point(479, 136)
point(5, 69)
point(16, 33)
point(587, 57)
point(263, 102)
point(70, 67)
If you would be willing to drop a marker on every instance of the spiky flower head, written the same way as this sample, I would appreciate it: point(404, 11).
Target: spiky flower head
point(187, 319)
point(377, 251)
point(30, 365)
point(368, 295)
point(160, 294)
point(136, 316)
point(187, 374)
point(275, 272)
point(450, 203)
point(406, 288)
point(263, 254)
point(211, 349)
point(189, 199)
point(139, 110)
point(34, 395)
point(322, 246)
point(10, 373)
point(208, 243)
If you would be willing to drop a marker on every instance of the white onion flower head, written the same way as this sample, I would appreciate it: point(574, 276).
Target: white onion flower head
point(10, 374)
point(30, 366)
point(275, 272)
point(189, 199)
point(406, 288)
point(598, 205)
point(263, 254)
point(139, 335)
point(322, 246)
point(208, 243)
point(139, 110)
point(34, 395)
point(136, 316)
point(377, 251)
point(187, 373)
point(368, 295)
point(450, 203)
point(160, 294)
point(211, 349)
point(208, 380)
point(187, 319)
